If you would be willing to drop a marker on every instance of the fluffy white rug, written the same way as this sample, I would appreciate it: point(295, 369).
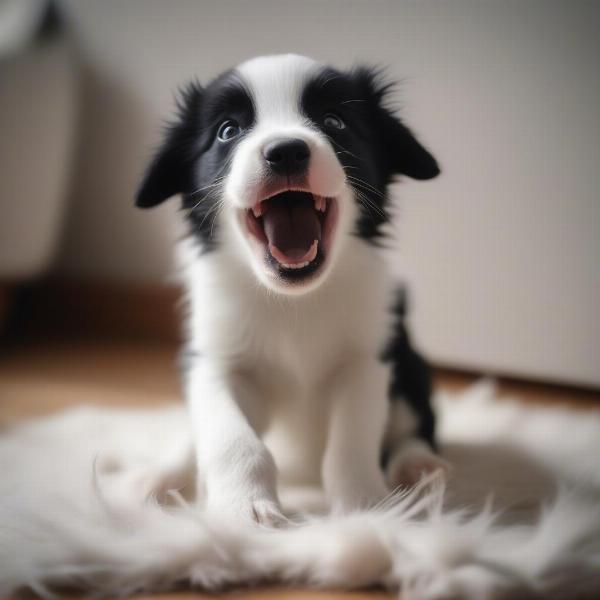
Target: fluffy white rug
point(74, 510)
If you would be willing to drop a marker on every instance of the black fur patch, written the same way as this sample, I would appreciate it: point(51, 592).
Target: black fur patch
point(411, 374)
point(373, 147)
point(192, 161)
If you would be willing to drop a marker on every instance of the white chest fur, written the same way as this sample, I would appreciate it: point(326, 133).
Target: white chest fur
point(286, 350)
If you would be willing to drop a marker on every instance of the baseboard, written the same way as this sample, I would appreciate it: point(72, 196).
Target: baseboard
point(6, 297)
point(99, 309)
point(104, 310)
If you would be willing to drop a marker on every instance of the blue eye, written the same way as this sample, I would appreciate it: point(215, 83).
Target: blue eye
point(333, 121)
point(228, 130)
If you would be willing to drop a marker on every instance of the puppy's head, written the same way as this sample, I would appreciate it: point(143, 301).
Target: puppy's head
point(285, 159)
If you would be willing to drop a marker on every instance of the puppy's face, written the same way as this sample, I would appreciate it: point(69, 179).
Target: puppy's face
point(286, 160)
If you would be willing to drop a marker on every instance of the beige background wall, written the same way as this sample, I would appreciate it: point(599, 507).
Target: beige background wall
point(501, 251)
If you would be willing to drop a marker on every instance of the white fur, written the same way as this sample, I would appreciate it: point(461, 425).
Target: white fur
point(74, 509)
point(285, 379)
point(299, 367)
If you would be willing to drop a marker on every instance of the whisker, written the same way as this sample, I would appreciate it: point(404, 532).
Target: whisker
point(368, 203)
point(219, 178)
point(215, 183)
point(210, 195)
point(369, 213)
point(345, 150)
point(211, 210)
point(375, 207)
point(207, 196)
point(366, 191)
point(338, 152)
point(365, 185)
point(217, 213)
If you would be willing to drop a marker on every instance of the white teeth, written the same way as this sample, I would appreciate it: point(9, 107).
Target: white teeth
point(296, 266)
point(257, 210)
point(310, 255)
point(320, 203)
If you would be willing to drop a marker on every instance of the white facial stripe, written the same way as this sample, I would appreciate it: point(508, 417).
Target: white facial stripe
point(276, 84)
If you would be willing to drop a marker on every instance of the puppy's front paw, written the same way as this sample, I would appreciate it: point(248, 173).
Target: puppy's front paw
point(413, 461)
point(245, 487)
point(264, 510)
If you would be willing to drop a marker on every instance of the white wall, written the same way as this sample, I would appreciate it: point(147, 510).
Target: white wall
point(502, 250)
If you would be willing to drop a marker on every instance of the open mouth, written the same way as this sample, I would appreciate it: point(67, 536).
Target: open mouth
point(295, 228)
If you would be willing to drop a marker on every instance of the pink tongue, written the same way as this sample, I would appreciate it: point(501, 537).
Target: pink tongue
point(291, 224)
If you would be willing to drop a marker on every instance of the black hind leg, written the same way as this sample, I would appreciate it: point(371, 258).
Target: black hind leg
point(409, 448)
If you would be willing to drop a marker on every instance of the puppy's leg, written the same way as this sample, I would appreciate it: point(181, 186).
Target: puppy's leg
point(408, 456)
point(408, 449)
point(235, 468)
point(352, 476)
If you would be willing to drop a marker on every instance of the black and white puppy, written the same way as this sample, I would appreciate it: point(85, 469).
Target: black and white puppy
point(295, 348)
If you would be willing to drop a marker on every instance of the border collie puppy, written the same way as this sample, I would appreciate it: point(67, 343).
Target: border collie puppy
point(299, 368)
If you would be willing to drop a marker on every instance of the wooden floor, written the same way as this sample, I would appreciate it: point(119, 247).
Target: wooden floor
point(41, 378)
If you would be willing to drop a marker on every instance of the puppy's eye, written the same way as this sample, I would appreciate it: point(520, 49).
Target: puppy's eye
point(333, 121)
point(228, 130)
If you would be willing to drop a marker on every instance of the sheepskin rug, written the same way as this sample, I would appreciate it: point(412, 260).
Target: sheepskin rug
point(103, 500)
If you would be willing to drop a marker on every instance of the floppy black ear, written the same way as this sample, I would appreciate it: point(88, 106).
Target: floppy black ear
point(170, 172)
point(401, 151)
point(407, 156)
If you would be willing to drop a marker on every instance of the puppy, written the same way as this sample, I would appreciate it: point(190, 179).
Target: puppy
point(299, 367)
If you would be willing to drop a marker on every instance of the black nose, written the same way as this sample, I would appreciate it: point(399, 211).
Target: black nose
point(287, 157)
